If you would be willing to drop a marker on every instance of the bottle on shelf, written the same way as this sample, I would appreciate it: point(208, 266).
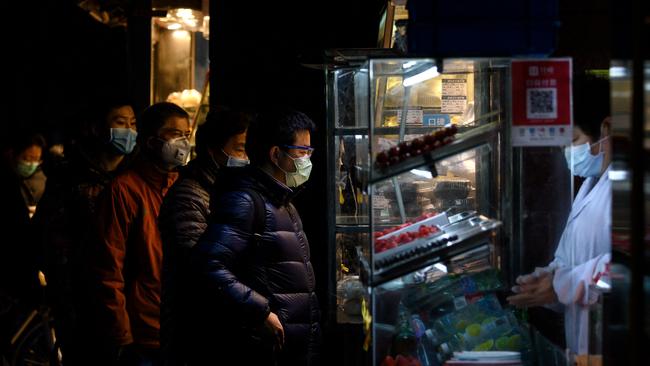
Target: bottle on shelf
point(405, 342)
point(425, 351)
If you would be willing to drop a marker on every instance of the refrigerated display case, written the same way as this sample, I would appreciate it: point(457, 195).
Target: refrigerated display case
point(421, 207)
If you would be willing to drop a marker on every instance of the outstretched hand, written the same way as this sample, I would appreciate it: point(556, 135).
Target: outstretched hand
point(533, 290)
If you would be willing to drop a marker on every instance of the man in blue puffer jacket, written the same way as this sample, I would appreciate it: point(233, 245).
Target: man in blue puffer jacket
point(261, 307)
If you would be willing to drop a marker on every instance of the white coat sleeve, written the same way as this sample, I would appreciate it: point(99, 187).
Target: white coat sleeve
point(571, 284)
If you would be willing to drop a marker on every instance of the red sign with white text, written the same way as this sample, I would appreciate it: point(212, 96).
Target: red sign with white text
point(541, 102)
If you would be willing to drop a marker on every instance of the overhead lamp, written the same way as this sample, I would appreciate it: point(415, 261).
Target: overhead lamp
point(408, 64)
point(184, 13)
point(427, 74)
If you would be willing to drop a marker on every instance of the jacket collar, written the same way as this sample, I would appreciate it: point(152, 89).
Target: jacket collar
point(203, 169)
point(158, 179)
point(276, 191)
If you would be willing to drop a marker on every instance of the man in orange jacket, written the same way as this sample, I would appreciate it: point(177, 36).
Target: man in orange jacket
point(127, 260)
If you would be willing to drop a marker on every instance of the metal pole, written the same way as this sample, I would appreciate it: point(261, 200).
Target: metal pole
point(637, 206)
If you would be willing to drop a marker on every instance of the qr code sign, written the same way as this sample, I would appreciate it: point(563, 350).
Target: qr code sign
point(541, 103)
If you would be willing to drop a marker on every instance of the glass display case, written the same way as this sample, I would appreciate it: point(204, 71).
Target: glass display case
point(419, 200)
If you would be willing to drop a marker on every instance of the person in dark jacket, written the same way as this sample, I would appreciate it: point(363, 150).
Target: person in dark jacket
point(262, 283)
point(102, 148)
point(18, 270)
point(220, 142)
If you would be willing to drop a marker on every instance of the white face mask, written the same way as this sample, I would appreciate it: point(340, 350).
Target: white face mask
point(175, 152)
point(235, 162)
point(584, 164)
point(301, 175)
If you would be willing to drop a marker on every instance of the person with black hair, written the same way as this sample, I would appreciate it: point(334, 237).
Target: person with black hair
point(220, 143)
point(585, 245)
point(253, 261)
point(102, 147)
point(26, 160)
point(125, 257)
point(400, 38)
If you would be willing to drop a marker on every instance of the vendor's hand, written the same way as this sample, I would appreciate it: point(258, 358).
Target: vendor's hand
point(273, 325)
point(534, 291)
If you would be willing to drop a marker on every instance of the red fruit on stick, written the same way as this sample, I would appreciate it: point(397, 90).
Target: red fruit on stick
point(388, 361)
point(393, 151)
point(382, 157)
point(416, 144)
point(429, 139)
point(440, 134)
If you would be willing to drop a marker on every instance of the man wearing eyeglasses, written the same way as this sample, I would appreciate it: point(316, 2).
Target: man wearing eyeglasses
point(254, 258)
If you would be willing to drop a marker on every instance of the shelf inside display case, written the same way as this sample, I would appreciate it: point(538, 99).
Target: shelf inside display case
point(463, 233)
point(463, 142)
point(431, 314)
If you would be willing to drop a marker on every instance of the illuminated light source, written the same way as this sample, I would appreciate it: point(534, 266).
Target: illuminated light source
point(427, 74)
point(185, 13)
point(618, 175)
point(617, 71)
point(422, 173)
point(181, 34)
point(408, 64)
point(174, 26)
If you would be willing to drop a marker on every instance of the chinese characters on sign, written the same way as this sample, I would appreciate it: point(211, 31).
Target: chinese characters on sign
point(541, 102)
point(454, 96)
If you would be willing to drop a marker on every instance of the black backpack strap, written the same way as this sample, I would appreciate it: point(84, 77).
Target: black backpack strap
point(259, 212)
point(259, 218)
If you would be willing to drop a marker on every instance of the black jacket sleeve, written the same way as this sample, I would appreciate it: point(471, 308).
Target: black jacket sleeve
point(224, 244)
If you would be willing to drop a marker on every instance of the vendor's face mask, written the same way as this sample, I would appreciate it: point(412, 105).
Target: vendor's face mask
point(584, 164)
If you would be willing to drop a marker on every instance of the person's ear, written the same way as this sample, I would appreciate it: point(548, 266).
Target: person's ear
point(274, 155)
point(606, 127)
point(150, 143)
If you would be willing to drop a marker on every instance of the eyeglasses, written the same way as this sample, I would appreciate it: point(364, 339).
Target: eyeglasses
point(302, 150)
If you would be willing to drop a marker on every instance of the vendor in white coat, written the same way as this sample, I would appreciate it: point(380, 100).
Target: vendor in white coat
point(585, 245)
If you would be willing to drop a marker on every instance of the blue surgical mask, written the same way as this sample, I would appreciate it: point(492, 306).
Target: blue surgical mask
point(235, 162)
point(123, 140)
point(584, 164)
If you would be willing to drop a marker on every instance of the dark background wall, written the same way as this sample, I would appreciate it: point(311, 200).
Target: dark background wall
point(58, 60)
